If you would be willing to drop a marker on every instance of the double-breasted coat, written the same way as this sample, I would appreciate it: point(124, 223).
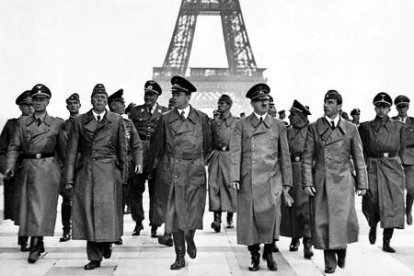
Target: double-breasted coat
point(98, 176)
point(295, 219)
point(328, 168)
point(260, 161)
point(39, 177)
point(181, 147)
point(221, 198)
point(383, 148)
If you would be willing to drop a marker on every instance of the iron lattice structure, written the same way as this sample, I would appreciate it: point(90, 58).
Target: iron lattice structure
point(242, 71)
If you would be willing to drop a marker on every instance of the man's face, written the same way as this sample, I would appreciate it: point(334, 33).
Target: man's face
point(99, 102)
point(355, 117)
point(331, 107)
point(282, 116)
point(261, 106)
point(150, 98)
point(26, 109)
point(73, 107)
point(118, 107)
point(382, 110)
point(181, 99)
point(402, 110)
point(272, 110)
point(223, 106)
point(297, 119)
point(40, 103)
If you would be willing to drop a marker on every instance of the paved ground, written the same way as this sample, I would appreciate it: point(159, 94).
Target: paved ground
point(218, 254)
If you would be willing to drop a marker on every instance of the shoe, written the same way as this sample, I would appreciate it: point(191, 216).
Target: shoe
point(409, 218)
point(107, 251)
point(137, 229)
point(119, 242)
point(255, 263)
point(229, 220)
point(329, 270)
point(372, 235)
point(22, 241)
point(294, 245)
point(268, 256)
point(154, 231)
point(307, 248)
point(387, 248)
point(191, 247)
point(92, 265)
point(341, 262)
point(65, 236)
point(34, 250)
point(216, 226)
point(165, 240)
point(275, 248)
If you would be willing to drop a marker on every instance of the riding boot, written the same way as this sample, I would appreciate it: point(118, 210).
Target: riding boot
point(294, 244)
point(22, 241)
point(372, 234)
point(191, 247)
point(408, 207)
point(179, 245)
point(66, 216)
point(386, 238)
point(268, 254)
point(255, 257)
point(229, 220)
point(34, 250)
point(217, 221)
point(307, 248)
point(165, 239)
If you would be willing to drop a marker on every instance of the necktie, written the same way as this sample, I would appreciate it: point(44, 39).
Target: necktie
point(332, 124)
point(98, 118)
point(182, 115)
point(39, 122)
point(149, 111)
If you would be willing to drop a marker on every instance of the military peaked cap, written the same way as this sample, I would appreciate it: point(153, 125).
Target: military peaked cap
point(130, 106)
point(99, 89)
point(382, 98)
point(298, 107)
point(355, 111)
point(401, 99)
point(180, 84)
point(225, 98)
point(258, 92)
point(333, 95)
point(153, 87)
point(24, 98)
point(118, 96)
point(73, 97)
point(40, 90)
point(271, 101)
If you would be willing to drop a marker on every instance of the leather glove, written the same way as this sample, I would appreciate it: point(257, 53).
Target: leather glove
point(235, 185)
point(68, 190)
point(361, 192)
point(310, 191)
point(138, 169)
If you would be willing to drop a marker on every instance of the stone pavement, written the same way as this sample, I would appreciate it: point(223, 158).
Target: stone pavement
point(218, 254)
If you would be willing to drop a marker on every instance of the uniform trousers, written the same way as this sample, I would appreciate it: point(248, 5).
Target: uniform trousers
point(331, 255)
point(95, 250)
point(137, 188)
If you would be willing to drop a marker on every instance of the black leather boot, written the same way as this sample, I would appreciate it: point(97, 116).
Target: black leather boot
point(229, 220)
point(294, 244)
point(372, 234)
point(154, 231)
point(66, 214)
point(216, 224)
point(165, 239)
point(268, 254)
point(137, 229)
point(307, 248)
point(255, 257)
point(34, 250)
point(191, 247)
point(275, 248)
point(387, 235)
point(408, 207)
point(22, 241)
point(179, 245)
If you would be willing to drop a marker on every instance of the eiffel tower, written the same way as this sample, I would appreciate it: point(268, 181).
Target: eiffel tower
point(242, 71)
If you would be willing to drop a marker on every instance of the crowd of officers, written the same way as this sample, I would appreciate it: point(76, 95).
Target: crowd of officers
point(296, 179)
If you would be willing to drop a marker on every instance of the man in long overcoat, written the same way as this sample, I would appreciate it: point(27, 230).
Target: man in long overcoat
point(383, 140)
point(260, 168)
point(97, 178)
point(327, 171)
point(221, 198)
point(145, 118)
point(12, 185)
point(403, 104)
point(72, 105)
point(295, 219)
point(182, 143)
point(36, 143)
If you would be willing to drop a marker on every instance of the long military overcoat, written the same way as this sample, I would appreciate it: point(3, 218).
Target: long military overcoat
point(384, 200)
point(40, 178)
point(221, 198)
point(260, 161)
point(327, 167)
point(181, 147)
point(98, 176)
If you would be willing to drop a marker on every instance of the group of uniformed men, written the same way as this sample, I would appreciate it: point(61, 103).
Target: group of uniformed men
point(297, 181)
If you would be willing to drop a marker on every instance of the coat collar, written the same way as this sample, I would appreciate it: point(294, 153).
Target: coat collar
point(47, 119)
point(377, 124)
point(254, 121)
point(228, 120)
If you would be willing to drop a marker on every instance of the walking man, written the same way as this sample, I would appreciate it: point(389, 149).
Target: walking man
point(295, 219)
point(221, 198)
point(383, 140)
point(261, 171)
point(36, 143)
point(331, 143)
point(182, 143)
point(97, 178)
point(403, 104)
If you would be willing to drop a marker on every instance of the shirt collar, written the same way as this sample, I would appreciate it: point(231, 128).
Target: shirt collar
point(260, 116)
point(102, 115)
point(335, 120)
point(41, 117)
point(186, 111)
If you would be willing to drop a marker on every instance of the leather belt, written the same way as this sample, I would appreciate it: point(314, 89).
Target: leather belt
point(37, 155)
point(410, 146)
point(145, 137)
point(382, 154)
point(296, 157)
point(222, 148)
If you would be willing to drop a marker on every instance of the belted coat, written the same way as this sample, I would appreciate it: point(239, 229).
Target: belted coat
point(260, 161)
point(181, 147)
point(98, 176)
point(39, 178)
point(328, 168)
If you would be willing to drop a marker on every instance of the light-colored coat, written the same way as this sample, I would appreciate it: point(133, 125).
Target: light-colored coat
point(260, 161)
point(327, 167)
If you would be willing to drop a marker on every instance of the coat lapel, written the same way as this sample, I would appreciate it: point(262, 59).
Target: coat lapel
point(103, 126)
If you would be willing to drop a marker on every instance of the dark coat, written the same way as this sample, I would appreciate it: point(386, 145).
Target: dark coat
point(97, 177)
point(328, 168)
point(384, 200)
point(40, 178)
point(295, 220)
point(221, 198)
point(260, 161)
point(408, 155)
point(134, 147)
point(181, 146)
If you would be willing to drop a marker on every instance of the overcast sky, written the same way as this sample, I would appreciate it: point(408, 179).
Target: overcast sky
point(358, 47)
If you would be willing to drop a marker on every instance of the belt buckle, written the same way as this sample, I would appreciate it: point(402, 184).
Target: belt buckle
point(38, 155)
point(385, 154)
point(297, 158)
point(223, 148)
